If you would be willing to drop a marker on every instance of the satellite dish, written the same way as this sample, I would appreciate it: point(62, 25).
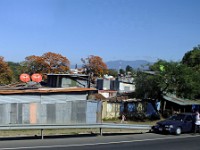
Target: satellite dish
point(24, 77)
point(36, 77)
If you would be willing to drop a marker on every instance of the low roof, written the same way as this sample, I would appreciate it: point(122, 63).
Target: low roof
point(71, 75)
point(180, 101)
point(43, 90)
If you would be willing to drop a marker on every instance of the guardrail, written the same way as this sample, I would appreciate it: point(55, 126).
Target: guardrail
point(101, 126)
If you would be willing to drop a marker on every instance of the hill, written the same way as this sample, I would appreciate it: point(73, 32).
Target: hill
point(121, 64)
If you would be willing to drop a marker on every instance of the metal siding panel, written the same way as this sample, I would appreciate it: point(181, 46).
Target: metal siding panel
point(91, 112)
point(42, 113)
point(68, 112)
point(61, 113)
point(25, 113)
point(51, 113)
point(79, 112)
point(13, 114)
point(19, 114)
point(58, 109)
point(19, 99)
point(62, 98)
point(4, 113)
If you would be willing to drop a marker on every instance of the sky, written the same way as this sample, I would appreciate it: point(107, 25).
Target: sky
point(112, 29)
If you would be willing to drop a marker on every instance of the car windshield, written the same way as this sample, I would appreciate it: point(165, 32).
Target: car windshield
point(179, 117)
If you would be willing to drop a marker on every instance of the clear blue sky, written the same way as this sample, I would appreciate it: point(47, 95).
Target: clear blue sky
point(112, 29)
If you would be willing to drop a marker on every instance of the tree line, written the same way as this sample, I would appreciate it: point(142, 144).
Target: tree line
point(47, 63)
point(181, 78)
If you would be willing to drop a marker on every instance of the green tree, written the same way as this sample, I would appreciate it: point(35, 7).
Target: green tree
point(17, 69)
point(122, 71)
point(169, 77)
point(147, 85)
point(129, 68)
point(192, 58)
point(5, 72)
point(113, 72)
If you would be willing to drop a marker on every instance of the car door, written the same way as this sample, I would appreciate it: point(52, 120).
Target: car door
point(188, 124)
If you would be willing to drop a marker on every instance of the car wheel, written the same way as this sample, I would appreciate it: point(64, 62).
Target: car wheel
point(178, 131)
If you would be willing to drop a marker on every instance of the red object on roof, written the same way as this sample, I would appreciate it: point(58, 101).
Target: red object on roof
point(36, 77)
point(24, 77)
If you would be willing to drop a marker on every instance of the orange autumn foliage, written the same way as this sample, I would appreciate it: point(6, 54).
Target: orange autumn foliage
point(95, 65)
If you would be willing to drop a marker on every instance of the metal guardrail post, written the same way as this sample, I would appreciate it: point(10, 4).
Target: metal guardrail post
point(42, 136)
point(101, 131)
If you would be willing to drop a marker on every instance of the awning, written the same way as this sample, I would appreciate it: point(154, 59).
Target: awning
point(180, 101)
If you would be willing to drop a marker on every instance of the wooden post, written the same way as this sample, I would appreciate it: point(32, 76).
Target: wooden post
point(164, 106)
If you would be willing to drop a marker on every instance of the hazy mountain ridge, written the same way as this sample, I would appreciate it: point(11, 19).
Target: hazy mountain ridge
point(122, 64)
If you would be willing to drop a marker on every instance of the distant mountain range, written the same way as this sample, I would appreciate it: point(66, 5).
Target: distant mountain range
point(122, 64)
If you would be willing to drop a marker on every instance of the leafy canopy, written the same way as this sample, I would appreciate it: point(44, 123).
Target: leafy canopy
point(5, 72)
point(95, 65)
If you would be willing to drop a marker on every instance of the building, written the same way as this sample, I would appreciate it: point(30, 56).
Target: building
point(171, 104)
point(67, 80)
point(48, 106)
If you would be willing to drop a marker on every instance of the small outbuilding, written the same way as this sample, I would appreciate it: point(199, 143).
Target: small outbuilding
point(173, 104)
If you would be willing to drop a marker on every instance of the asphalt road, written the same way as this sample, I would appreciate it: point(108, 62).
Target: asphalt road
point(146, 141)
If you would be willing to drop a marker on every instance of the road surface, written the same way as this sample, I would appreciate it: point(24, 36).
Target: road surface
point(146, 141)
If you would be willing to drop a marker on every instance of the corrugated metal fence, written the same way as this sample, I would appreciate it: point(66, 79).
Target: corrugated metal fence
point(47, 109)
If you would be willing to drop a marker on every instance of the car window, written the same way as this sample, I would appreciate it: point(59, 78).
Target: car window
point(188, 118)
point(179, 117)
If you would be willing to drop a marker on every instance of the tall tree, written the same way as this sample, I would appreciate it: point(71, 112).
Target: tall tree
point(55, 63)
point(122, 71)
point(169, 77)
point(47, 63)
point(147, 85)
point(192, 58)
point(34, 64)
point(95, 65)
point(5, 72)
point(129, 69)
